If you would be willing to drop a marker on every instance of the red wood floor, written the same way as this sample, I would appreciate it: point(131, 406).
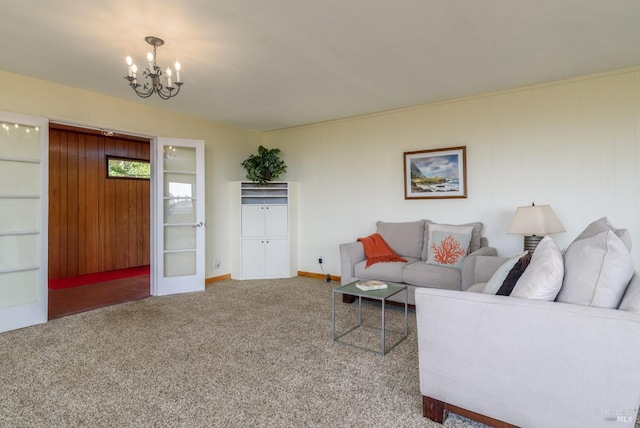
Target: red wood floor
point(74, 300)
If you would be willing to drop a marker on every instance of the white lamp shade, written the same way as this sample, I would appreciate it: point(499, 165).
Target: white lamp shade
point(539, 220)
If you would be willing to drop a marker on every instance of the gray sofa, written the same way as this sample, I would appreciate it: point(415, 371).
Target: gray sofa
point(538, 363)
point(411, 241)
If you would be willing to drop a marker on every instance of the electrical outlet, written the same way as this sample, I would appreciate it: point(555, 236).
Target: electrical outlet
point(217, 264)
point(320, 259)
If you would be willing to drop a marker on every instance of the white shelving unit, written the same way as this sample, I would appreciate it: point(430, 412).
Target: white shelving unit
point(264, 244)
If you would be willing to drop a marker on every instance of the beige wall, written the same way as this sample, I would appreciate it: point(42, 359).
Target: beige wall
point(225, 146)
point(571, 144)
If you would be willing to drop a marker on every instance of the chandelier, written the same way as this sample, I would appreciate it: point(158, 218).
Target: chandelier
point(152, 75)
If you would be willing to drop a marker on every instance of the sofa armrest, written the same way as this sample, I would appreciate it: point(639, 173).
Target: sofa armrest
point(468, 268)
point(351, 254)
point(528, 362)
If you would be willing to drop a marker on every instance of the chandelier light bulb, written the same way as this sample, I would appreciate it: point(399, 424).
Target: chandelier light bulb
point(130, 63)
point(177, 71)
point(150, 59)
point(169, 77)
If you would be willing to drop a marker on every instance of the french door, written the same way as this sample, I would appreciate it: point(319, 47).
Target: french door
point(23, 220)
point(179, 222)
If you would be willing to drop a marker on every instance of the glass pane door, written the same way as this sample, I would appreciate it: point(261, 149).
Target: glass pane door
point(180, 220)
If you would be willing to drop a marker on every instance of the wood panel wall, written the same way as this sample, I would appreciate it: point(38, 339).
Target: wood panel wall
point(96, 224)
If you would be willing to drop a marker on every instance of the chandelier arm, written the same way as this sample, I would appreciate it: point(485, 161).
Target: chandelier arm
point(166, 93)
point(143, 94)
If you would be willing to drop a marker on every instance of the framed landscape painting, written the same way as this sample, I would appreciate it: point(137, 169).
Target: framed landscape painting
point(435, 174)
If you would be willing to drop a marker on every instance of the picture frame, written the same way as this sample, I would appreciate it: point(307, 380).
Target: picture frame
point(436, 173)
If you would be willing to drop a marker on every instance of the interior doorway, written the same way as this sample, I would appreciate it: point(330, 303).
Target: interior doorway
point(99, 223)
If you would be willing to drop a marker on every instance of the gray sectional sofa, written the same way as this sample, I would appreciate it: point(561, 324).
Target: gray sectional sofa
point(411, 241)
point(560, 350)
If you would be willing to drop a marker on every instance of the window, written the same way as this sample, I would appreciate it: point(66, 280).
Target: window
point(118, 167)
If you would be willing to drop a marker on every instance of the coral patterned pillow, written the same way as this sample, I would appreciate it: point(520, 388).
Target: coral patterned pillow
point(448, 249)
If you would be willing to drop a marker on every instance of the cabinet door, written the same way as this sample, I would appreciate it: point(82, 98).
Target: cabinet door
point(276, 221)
point(277, 258)
point(253, 224)
point(253, 259)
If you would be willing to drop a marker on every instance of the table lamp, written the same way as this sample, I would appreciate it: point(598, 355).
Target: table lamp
point(534, 222)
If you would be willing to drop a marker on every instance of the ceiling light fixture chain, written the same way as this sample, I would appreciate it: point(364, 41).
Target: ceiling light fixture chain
point(152, 75)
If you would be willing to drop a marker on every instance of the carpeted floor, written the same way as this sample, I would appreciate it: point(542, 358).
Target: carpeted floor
point(242, 353)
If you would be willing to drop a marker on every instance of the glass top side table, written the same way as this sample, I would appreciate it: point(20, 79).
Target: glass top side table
point(382, 295)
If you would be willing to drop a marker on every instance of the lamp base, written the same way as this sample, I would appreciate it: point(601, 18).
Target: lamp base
point(531, 242)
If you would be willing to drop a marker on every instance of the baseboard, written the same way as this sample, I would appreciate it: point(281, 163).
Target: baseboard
point(217, 278)
point(300, 273)
point(318, 275)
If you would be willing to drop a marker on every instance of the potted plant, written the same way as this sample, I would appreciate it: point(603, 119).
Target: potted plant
point(265, 166)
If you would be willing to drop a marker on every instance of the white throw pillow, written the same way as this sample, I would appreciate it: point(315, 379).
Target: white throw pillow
point(463, 229)
point(543, 277)
point(448, 249)
point(598, 269)
point(500, 275)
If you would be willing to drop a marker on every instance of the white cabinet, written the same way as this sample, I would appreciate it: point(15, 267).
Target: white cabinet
point(265, 258)
point(260, 221)
point(264, 231)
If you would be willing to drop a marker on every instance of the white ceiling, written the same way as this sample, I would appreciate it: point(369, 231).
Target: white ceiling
point(271, 64)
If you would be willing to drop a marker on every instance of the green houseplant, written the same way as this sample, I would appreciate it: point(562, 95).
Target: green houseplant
point(265, 166)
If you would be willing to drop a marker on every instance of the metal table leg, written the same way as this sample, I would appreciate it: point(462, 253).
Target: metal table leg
point(406, 305)
point(333, 315)
point(383, 326)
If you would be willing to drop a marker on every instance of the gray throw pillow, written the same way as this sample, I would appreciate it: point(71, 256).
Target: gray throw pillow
point(603, 224)
point(598, 269)
point(631, 300)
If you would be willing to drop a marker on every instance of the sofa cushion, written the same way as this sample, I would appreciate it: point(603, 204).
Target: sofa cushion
point(448, 249)
point(496, 280)
point(406, 238)
point(631, 300)
point(598, 268)
point(391, 271)
point(542, 279)
point(514, 275)
point(433, 276)
point(474, 244)
point(476, 288)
